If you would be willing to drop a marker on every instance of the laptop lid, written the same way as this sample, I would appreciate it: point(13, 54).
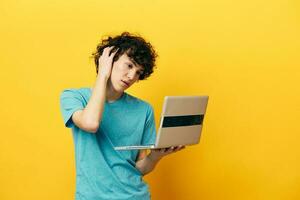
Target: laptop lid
point(181, 120)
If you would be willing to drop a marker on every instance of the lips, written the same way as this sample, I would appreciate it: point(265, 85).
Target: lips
point(126, 83)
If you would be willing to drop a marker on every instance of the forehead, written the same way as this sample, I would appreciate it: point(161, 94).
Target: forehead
point(124, 58)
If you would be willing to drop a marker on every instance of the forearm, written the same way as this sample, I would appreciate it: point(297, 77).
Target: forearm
point(94, 109)
point(147, 164)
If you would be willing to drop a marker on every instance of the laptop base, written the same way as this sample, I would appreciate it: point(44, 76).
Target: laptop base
point(124, 148)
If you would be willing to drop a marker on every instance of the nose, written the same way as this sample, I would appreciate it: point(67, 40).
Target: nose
point(131, 74)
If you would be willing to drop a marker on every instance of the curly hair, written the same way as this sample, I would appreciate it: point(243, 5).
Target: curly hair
point(136, 48)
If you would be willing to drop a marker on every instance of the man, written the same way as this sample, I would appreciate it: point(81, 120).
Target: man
point(105, 116)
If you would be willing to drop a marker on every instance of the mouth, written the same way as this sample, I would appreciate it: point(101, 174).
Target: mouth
point(125, 83)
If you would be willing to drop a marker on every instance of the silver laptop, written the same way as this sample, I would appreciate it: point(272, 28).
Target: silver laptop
point(180, 123)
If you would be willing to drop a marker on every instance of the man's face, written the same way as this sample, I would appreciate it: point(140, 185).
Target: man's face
point(125, 73)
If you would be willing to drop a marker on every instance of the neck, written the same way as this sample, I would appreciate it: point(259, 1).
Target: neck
point(111, 93)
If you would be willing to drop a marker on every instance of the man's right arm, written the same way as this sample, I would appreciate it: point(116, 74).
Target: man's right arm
point(89, 118)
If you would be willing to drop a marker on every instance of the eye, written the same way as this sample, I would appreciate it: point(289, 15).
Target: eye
point(129, 65)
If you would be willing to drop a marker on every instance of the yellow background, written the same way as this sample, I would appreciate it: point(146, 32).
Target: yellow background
point(243, 54)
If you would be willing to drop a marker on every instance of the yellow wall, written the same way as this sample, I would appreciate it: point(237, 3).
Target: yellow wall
point(243, 54)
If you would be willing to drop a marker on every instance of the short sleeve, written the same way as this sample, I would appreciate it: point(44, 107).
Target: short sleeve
point(149, 135)
point(70, 101)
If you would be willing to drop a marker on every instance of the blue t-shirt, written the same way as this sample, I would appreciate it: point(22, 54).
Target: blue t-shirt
point(101, 171)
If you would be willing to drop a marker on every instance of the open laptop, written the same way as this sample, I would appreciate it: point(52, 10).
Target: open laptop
point(180, 123)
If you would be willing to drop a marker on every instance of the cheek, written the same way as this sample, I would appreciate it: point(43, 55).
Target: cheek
point(119, 68)
point(122, 68)
point(117, 72)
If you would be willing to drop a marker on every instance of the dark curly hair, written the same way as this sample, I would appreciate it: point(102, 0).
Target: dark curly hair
point(136, 48)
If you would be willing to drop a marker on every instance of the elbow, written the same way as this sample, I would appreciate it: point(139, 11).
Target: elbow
point(86, 122)
point(92, 126)
point(94, 130)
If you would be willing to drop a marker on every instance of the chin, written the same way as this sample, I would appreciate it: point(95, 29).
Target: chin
point(119, 89)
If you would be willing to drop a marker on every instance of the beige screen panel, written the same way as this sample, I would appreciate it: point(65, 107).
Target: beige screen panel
point(174, 136)
point(185, 105)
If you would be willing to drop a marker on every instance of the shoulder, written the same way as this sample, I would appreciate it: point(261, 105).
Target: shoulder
point(136, 100)
point(73, 92)
point(139, 103)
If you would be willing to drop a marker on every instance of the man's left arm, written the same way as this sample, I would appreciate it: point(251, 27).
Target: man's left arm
point(146, 163)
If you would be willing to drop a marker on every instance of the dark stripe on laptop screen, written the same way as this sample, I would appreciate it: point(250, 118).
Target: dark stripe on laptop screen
point(186, 120)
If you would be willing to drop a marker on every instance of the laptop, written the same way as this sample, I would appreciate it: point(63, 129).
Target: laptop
point(181, 122)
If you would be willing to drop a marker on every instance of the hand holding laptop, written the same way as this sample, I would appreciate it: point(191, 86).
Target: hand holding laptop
point(157, 154)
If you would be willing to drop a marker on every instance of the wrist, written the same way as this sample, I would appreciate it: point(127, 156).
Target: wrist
point(102, 78)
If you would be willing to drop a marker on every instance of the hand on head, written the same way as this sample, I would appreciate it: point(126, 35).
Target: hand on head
point(106, 62)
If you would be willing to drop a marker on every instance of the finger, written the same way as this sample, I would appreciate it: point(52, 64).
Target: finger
point(154, 150)
point(113, 52)
point(171, 149)
point(167, 150)
point(104, 53)
point(112, 49)
point(182, 147)
point(106, 50)
point(175, 148)
point(162, 150)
